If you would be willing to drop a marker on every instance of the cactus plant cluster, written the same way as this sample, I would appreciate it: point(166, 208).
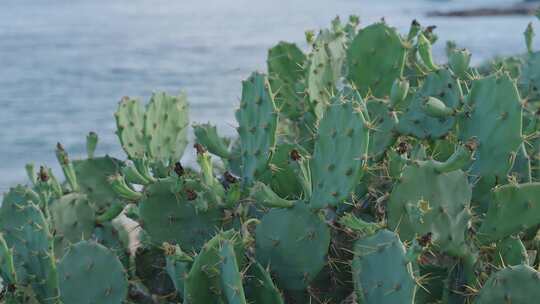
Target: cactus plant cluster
point(363, 172)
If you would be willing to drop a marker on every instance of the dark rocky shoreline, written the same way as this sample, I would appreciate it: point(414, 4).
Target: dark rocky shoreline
point(517, 10)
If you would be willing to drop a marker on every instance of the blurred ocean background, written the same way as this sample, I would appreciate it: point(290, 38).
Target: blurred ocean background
point(65, 64)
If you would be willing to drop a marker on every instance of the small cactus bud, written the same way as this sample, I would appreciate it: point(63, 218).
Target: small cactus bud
point(399, 91)
point(43, 174)
point(459, 62)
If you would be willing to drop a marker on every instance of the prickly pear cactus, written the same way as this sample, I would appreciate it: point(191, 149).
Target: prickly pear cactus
point(516, 284)
point(284, 179)
point(73, 221)
point(286, 73)
point(7, 266)
point(158, 132)
point(383, 127)
point(418, 120)
point(530, 77)
point(492, 115)
point(432, 197)
point(166, 125)
point(325, 67)
point(26, 232)
point(91, 272)
point(231, 277)
point(204, 283)
point(92, 177)
point(514, 208)
point(510, 252)
point(259, 286)
point(257, 122)
point(376, 58)
point(381, 272)
point(340, 152)
point(172, 217)
point(293, 243)
point(207, 136)
point(177, 265)
point(130, 127)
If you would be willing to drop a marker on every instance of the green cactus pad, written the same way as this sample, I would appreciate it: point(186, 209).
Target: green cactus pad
point(284, 180)
point(530, 76)
point(375, 59)
point(492, 115)
point(381, 272)
point(231, 278)
point(170, 217)
point(293, 243)
point(286, 72)
point(7, 266)
point(324, 68)
point(92, 176)
point(165, 126)
point(514, 208)
point(418, 121)
point(207, 136)
point(91, 273)
point(73, 221)
point(259, 286)
point(425, 200)
point(203, 283)
point(257, 122)
point(177, 265)
point(383, 121)
point(130, 127)
point(340, 152)
point(515, 284)
point(26, 232)
point(114, 236)
point(510, 252)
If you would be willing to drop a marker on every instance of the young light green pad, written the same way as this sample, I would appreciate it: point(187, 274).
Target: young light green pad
point(130, 127)
point(257, 121)
point(375, 58)
point(515, 284)
point(324, 68)
point(381, 272)
point(293, 243)
point(340, 152)
point(90, 273)
point(165, 127)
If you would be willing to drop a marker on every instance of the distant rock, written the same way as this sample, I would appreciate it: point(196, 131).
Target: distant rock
point(527, 8)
